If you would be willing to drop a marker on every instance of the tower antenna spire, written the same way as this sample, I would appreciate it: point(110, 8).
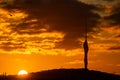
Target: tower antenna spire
point(85, 45)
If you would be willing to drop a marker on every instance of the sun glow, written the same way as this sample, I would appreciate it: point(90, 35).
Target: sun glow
point(22, 72)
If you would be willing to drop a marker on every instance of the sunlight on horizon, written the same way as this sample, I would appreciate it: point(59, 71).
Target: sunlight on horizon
point(22, 72)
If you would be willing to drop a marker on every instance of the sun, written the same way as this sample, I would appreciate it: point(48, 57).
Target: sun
point(22, 72)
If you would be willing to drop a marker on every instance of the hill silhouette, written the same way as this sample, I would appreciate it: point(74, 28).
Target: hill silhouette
point(66, 74)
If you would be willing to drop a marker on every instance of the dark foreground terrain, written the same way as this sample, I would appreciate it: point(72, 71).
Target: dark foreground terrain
point(65, 74)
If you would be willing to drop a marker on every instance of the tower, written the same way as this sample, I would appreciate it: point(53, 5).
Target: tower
point(86, 48)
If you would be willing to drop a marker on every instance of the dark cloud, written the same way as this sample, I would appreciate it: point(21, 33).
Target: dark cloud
point(118, 36)
point(115, 16)
point(8, 46)
point(108, 0)
point(115, 48)
point(67, 16)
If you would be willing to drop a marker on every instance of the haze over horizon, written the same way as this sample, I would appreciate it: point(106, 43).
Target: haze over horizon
point(39, 35)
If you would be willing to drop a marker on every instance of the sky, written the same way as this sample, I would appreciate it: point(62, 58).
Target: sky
point(39, 35)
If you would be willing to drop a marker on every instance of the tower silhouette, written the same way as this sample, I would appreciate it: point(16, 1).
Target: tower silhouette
point(86, 48)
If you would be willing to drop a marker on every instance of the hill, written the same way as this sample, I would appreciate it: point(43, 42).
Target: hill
point(67, 74)
point(73, 74)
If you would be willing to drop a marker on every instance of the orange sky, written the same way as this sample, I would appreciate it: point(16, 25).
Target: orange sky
point(23, 45)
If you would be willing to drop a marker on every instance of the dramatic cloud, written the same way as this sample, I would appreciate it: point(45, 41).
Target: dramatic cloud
point(52, 25)
point(67, 16)
point(115, 14)
point(115, 48)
